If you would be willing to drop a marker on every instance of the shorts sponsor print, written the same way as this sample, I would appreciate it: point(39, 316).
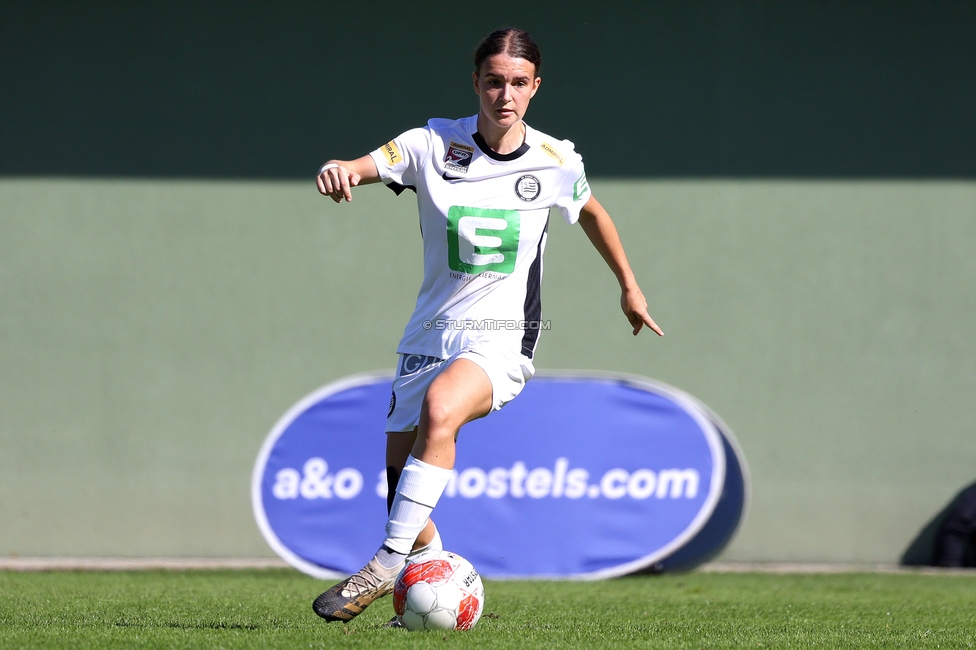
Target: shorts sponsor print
point(411, 363)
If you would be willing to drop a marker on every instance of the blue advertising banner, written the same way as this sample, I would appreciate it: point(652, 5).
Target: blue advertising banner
point(580, 476)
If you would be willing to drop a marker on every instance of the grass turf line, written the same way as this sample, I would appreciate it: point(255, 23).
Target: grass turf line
point(271, 608)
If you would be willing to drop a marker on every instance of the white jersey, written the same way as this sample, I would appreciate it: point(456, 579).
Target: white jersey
point(484, 218)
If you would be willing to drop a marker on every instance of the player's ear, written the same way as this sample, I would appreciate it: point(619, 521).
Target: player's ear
point(477, 86)
point(535, 86)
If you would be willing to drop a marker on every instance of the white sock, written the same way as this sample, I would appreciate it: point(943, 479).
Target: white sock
point(418, 491)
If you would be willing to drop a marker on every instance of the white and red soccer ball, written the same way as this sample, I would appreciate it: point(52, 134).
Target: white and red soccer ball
point(439, 591)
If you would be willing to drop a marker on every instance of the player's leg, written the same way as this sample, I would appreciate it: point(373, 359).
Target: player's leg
point(460, 393)
point(475, 383)
point(398, 446)
point(349, 597)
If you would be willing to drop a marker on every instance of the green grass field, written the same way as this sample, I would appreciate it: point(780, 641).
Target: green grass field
point(271, 609)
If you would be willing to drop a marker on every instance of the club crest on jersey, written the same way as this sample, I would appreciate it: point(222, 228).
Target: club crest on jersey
point(458, 157)
point(528, 188)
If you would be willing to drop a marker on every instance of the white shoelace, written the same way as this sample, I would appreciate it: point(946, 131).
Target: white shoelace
point(365, 580)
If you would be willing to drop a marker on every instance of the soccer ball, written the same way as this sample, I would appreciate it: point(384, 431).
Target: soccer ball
point(438, 591)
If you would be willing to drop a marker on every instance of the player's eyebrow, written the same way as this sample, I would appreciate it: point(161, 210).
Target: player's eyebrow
point(493, 75)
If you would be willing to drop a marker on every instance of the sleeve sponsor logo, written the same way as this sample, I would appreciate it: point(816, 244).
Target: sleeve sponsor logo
point(549, 149)
point(580, 187)
point(392, 153)
point(458, 157)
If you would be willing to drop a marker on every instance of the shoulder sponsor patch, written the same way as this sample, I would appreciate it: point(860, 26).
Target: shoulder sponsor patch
point(458, 157)
point(392, 153)
point(549, 149)
point(580, 187)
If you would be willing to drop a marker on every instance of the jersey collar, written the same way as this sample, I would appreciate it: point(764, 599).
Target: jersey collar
point(501, 157)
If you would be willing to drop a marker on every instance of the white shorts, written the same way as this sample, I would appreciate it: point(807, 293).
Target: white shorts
point(507, 373)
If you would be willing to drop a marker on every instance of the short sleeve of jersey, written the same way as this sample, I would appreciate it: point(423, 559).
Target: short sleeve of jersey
point(575, 190)
point(399, 161)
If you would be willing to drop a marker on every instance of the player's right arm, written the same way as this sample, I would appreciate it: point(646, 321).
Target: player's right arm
point(338, 177)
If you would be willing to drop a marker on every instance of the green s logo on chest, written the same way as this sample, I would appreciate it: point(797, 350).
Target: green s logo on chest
point(482, 239)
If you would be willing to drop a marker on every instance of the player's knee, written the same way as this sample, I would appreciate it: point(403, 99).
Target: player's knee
point(442, 416)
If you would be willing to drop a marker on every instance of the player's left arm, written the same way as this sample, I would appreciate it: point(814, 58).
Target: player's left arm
point(598, 226)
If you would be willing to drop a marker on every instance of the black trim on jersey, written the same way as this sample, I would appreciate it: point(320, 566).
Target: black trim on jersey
point(494, 155)
point(398, 189)
point(533, 299)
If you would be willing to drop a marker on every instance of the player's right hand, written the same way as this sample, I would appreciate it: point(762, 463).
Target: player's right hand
point(337, 182)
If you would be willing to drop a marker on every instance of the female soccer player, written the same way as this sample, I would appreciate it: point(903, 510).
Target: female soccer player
point(484, 188)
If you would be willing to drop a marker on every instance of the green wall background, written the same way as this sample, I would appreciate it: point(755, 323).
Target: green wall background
point(154, 331)
point(795, 184)
point(683, 88)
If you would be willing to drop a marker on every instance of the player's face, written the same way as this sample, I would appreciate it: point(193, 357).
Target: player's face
point(505, 86)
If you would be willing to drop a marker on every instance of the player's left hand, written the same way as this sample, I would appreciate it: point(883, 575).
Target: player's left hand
point(335, 180)
point(634, 305)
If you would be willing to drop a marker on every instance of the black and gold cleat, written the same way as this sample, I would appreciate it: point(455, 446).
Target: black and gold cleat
point(349, 598)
